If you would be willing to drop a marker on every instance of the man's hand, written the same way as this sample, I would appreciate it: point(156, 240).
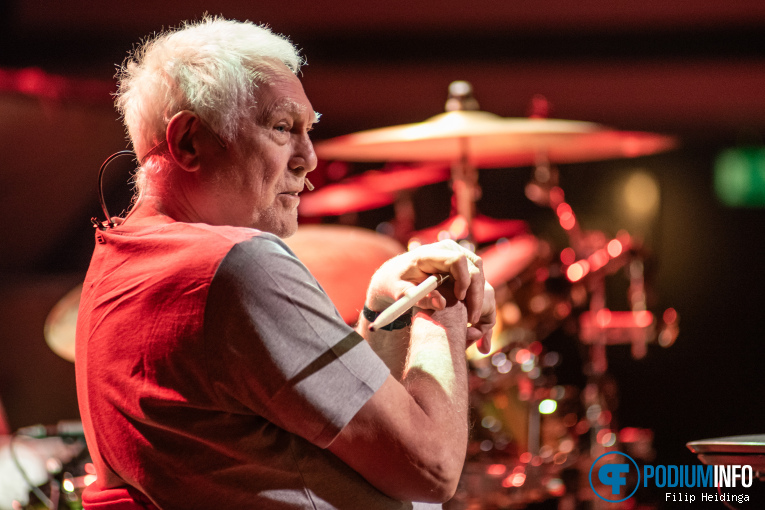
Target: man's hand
point(409, 440)
point(405, 271)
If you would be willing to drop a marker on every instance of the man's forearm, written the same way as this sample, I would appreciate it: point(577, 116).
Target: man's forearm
point(436, 360)
point(391, 346)
point(413, 434)
point(434, 345)
point(435, 374)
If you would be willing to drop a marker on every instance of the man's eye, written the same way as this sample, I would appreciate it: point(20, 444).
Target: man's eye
point(282, 128)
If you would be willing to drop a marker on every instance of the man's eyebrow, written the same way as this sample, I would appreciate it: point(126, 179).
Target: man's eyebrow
point(290, 107)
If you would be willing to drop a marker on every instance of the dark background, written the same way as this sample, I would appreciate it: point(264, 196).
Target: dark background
point(690, 69)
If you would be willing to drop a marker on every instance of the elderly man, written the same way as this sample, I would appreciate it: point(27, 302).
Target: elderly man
point(212, 370)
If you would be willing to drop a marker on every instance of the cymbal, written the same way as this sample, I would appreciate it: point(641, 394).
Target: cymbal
point(402, 177)
point(370, 190)
point(342, 198)
point(488, 140)
point(751, 443)
point(61, 324)
point(484, 229)
point(506, 260)
point(343, 260)
point(746, 449)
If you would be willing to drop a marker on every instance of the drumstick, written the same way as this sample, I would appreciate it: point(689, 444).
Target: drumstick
point(408, 300)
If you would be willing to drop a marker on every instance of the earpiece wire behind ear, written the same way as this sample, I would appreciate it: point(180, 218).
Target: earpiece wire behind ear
point(103, 225)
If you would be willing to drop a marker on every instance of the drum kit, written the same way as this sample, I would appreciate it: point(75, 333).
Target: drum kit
point(532, 433)
point(44, 467)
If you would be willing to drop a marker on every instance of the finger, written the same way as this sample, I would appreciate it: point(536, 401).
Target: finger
point(473, 335)
point(447, 261)
point(484, 344)
point(474, 265)
point(485, 327)
point(460, 271)
point(438, 300)
point(475, 294)
point(481, 336)
point(400, 288)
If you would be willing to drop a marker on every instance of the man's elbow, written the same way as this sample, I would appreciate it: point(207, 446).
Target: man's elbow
point(426, 490)
point(435, 480)
point(439, 492)
point(447, 476)
point(442, 463)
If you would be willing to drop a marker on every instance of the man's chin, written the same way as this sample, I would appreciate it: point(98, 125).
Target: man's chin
point(289, 232)
point(281, 230)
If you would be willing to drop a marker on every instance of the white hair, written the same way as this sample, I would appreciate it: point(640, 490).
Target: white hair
point(209, 67)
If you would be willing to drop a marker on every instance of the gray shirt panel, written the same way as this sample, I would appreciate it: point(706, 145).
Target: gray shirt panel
point(288, 356)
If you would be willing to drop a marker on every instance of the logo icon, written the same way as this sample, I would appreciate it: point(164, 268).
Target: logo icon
point(613, 472)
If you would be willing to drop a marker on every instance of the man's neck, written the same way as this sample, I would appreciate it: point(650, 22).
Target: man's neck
point(148, 210)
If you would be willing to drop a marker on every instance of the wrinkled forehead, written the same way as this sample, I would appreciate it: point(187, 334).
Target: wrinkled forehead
point(287, 106)
point(279, 92)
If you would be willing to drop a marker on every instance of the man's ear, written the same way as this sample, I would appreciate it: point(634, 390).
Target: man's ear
point(182, 131)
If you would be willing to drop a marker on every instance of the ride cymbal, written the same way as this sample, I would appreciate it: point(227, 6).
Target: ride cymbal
point(488, 140)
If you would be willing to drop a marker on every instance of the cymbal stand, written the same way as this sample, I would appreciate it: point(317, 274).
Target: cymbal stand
point(543, 189)
point(464, 174)
point(465, 188)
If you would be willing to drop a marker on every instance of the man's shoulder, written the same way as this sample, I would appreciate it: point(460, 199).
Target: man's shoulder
point(219, 233)
point(222, 237)
point(236, 252)
point(258, 252)
point(179, 248)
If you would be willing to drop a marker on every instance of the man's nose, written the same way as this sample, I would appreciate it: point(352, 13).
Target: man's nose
point(304, 158)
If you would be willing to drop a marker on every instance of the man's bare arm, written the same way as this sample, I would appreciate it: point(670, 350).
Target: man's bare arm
point(409, 439)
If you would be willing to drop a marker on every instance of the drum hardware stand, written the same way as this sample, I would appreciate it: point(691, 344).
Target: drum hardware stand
point(464, 173)
point(638, 326)
point(543, 189)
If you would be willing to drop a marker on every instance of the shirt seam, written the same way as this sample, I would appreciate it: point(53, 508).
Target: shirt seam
point(302, 478)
